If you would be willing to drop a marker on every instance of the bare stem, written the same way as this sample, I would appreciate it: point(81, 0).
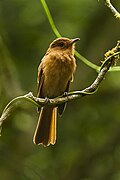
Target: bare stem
point(112, 8)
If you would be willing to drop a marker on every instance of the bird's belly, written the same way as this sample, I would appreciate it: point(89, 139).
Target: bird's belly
point(56, 79)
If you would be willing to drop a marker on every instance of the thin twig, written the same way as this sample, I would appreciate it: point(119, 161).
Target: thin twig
point(112, 8)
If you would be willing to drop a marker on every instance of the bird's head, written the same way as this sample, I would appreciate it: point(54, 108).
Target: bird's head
point(63, 44)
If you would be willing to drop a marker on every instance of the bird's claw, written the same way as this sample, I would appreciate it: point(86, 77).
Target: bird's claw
point(46, 100)
point(65, 94)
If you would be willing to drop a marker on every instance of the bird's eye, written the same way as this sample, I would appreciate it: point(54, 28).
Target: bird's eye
point(61, 44)
point(58, 44)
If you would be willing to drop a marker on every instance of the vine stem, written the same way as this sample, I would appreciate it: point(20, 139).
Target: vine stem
point(50, 19)
point(85, 61)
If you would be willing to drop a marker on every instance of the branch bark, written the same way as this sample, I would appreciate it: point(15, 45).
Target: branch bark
point(112, 9)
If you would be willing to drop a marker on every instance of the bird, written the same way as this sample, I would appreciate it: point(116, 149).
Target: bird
point(55, 72)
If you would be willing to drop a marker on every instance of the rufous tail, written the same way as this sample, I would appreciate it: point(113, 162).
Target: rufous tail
point(45, 132)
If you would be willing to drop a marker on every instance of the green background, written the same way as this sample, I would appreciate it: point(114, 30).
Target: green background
point(88, 134)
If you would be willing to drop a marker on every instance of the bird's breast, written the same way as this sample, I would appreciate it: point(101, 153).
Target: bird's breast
point(57, 71)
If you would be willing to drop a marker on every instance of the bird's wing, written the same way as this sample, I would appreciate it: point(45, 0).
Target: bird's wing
point(40, 81)
point(61, 107)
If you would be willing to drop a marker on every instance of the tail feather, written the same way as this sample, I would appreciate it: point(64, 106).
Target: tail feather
point(52, 133)
point(45, 132)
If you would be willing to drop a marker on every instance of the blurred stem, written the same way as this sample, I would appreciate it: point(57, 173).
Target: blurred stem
point(115, 69)
point(113, 10)
point(85, 61)
point(50, 19)
point(8, 72)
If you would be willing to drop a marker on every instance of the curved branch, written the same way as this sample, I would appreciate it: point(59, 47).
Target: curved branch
point(111, 58)
point(112, 8)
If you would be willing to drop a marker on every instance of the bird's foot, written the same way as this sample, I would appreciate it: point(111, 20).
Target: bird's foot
point(65, 94)
point(46, 100)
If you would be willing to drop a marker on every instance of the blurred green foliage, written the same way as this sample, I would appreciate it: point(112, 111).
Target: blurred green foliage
point(88, 138)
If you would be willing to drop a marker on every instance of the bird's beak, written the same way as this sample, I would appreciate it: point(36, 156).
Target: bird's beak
point(74, 40)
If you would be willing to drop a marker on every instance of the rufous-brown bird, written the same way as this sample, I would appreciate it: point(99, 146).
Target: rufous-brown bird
point(55, 73)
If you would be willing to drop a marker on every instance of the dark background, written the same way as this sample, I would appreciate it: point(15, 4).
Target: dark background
point(88, 134)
